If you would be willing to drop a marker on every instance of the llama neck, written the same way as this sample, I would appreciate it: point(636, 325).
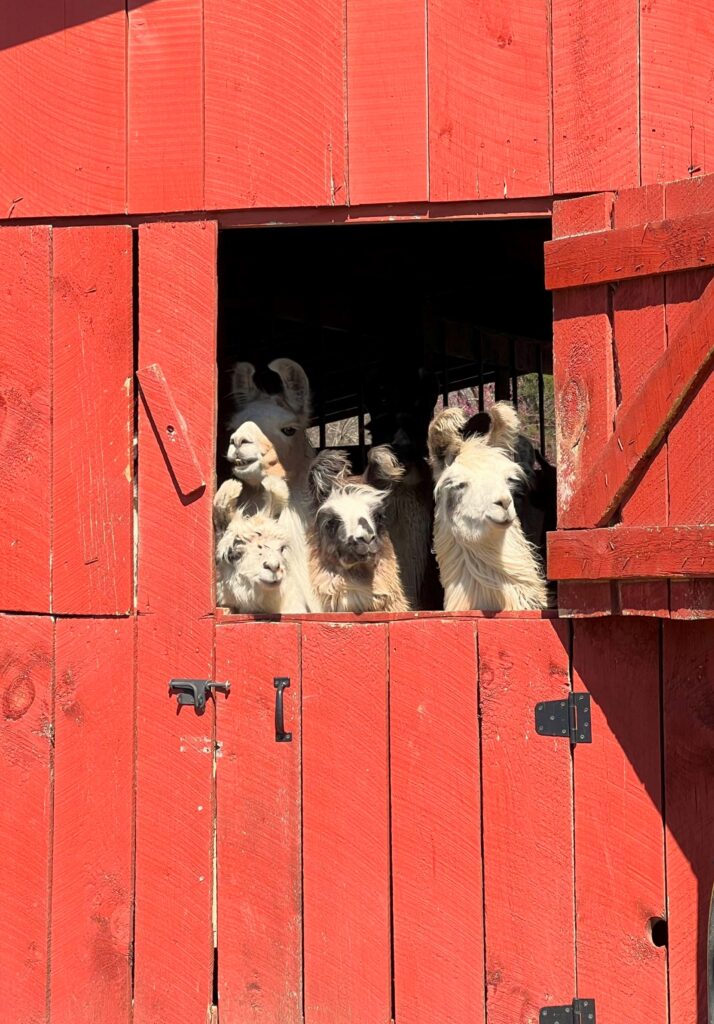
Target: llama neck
point(500, 573)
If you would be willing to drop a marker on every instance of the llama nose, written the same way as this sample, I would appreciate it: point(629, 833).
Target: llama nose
point(272, 565)
point(505, 501)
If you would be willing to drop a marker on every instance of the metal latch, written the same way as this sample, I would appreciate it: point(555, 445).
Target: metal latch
point(580, 1011)
point(569, 717)
point(193, 692)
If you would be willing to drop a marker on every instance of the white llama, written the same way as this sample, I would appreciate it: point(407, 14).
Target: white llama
point(484, 558)
point(253, 566)
point(282, 415)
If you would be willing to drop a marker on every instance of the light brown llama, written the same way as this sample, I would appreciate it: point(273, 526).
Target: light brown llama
point(353, 565)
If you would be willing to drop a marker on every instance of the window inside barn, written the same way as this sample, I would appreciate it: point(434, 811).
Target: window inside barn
point(391, 322)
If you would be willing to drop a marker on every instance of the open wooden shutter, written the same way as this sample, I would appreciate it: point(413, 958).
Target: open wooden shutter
point(633, 344)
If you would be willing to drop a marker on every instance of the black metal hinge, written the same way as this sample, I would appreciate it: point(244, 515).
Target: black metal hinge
point(569, 718)
point(192, 692)
point(580, 1011)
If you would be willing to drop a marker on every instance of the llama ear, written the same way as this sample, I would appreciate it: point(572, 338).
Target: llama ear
point(243, 388)
point(296, 386)
point(383, 468)
point(478, 425)
point(445, 439)
point(327, 471)
point(504, 427)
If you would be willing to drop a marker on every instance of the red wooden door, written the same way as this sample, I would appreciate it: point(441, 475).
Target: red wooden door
point(634, 321)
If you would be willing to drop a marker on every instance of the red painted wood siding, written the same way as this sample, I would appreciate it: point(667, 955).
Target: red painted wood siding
point(209, 104)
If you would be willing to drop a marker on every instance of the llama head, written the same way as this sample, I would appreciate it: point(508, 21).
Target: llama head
point(253, 551)
point(278, 403)
point(252, 456)
point(475, 473)
point(350, 519)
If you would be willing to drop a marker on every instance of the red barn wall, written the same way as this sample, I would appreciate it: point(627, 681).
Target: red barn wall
point(166, 105)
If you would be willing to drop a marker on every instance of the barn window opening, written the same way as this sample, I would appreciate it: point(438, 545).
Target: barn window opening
point(392, 322)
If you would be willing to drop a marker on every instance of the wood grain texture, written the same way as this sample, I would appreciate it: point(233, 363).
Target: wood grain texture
point(489, 99)
point(645, 418)
point(691, 599)
point(619, 831)
point(63, 108)
point(689, 737)
point(640, 336)
point(590, 600)
point(275, 104)
point(92, 552)
point(25, 815)
point(259, 826)
point(177, 324)
point(583, 370)
point(25, 419)
point(631, 552)
point(676, 89)
point(165, 106)
point(93, 821)
point(691, 452)
point(170, 430)
point(347, 940)
point(656, 247)
point(528, 824)
point(595, 95)
point(387, 101)
point(437, 877)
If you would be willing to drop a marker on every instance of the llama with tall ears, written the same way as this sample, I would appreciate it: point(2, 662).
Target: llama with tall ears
point(354, 568)
point(484, 558)
point(278, 403)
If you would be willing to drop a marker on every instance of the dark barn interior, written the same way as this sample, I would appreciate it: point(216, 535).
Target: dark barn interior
point(365, 308)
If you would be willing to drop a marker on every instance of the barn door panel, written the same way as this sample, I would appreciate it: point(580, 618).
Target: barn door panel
point(688, 675)
point(437, 879)
point(92, 362)
point(527, 821)
point(92, 850)
point(259, 826)
point(175, 753)
point(26, 723)
point(619, 833)
point(25, 418)
point(347, 941)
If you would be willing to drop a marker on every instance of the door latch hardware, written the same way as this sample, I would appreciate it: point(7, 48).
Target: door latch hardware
point(280, 735)
point(569, 718)
point(193, 692)
point(580, 1011)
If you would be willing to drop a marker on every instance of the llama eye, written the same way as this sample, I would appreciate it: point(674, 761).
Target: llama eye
point(283, 549)
point(288, 431)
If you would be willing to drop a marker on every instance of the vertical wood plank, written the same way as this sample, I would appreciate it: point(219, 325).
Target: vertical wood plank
point(689, 785)
point(275, 104)
point(25, 814)
point(527, 821)
point(595, 95)
point(584, 381)
point(619, 831)
point(436, 823)
point(92, 563)
point(689, 447)
point(640, 337)
point(387, 101)
point(347, 941)
point(177, 328)
point(165, 111)
point(489, 99)
point(63, 108)
point(259, 826)
point(25, 418)
point(93, 821)
point(676, 89)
